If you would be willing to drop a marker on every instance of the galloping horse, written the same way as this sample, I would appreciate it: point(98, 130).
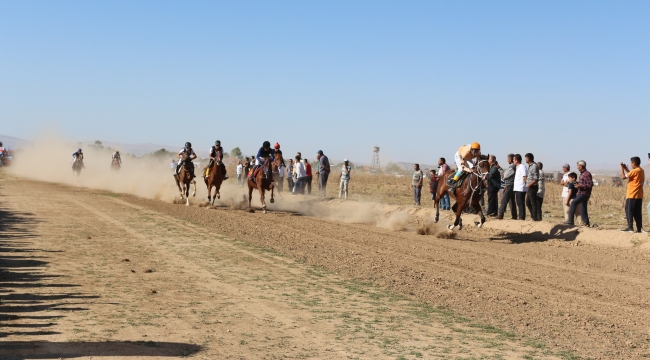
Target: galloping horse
point(468, 194)
point(77, 166)
point(214, 179)
point(185, 176)
point(262, 184)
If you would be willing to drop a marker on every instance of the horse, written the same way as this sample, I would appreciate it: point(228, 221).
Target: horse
point(214, 179)
point(467, 195)
point(185, 176)
point(115, 164)
point(77, 166)
point(262, 184)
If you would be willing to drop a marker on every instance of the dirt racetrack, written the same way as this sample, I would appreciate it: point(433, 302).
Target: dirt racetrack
point(87, 273)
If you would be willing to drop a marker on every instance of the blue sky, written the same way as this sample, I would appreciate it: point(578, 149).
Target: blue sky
point(564, 80)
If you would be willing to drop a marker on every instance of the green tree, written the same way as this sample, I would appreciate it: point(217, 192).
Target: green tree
point(236, 152)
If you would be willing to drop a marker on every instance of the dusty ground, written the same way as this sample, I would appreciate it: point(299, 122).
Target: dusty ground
point(87, 273)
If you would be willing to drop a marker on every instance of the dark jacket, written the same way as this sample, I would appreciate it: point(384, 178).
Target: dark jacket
point(494, 179)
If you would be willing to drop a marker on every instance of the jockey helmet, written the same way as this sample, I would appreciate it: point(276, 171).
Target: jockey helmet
point(188, 144)
point(217, 143)
point(0, 143)
point(117, 151)
point(476, 146)
point(276, 146)
point(346, 160)
point(79, 150)
point(266, 145)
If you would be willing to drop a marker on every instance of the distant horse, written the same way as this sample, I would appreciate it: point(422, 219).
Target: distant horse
point(185, 177)
point(77, 166)
point(467, 195)
point(262, 184)
point(115, 164)
point(214, 179)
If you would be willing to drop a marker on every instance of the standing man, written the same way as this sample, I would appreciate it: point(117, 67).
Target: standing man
point(416, 182)
point(289, 175)
point(240, 169)
point(565, 190)
point(532, 183)
point(585, 184)
point(172, 165)
point(508, 196)
point(247, 166)
point(542, 189)
point(634, 194)
point(309, 177)
point(345, 178)
point(323, 172)
point(443, 168)
point(519, 186)
point(494, 185)
point(433, 185)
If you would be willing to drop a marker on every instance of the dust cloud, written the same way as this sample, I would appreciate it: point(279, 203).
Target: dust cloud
point(50, 159)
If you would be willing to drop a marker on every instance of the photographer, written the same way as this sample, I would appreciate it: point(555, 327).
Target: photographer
point(634, 194)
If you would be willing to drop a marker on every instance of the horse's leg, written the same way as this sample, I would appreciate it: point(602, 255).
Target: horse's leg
point(180, 190)
point(479, 210)
point(261, 190)
point(272, 201)
point(194, 191)
point(459, 210)
point(250, 196)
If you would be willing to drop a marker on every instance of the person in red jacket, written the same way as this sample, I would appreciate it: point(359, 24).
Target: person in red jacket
point(309, 176)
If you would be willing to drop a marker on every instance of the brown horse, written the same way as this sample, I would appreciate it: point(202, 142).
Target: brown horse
point(185, 177)
point(262, 184)
point(467, 195)
point(214, 179)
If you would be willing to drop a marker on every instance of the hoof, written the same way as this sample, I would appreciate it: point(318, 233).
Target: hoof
point(218, 196)
point(264, 211)
point(272, 201)
point(479, 225)
point(450, 227)
point(460, 227)
point(436, 220)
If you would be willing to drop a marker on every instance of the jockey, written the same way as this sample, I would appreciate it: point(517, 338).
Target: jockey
point(116, 156)
point(78, 156)
point(191, 156)
point(466, 158)
point(216, 154)
point(263, 155)
point(2, 149)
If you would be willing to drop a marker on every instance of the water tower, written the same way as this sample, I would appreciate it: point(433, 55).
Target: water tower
point(375, 158)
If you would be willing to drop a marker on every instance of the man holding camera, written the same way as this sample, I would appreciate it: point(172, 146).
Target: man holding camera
point(634, 194)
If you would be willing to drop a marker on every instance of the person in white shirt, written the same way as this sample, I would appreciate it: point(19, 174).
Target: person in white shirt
point(299, 174)
point(344, 178)
point(240, 170)
point(565, 190)
point(521, 175)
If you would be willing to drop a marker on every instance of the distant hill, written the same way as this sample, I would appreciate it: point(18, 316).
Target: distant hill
point(11, 142)
point(409, 165)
